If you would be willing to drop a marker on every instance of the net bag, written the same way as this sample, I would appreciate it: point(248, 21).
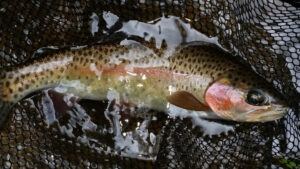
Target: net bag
point(264, 34)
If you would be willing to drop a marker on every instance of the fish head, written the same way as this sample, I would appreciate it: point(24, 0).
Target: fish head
point(241, 102)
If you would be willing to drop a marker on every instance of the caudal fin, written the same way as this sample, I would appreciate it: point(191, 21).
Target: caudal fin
point(4, 111)
point(4, 106)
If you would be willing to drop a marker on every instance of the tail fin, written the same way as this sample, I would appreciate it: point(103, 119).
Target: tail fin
point(4, 106)
point(4, 111)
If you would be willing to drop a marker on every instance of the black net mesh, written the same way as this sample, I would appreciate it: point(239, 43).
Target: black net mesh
point(262, 33)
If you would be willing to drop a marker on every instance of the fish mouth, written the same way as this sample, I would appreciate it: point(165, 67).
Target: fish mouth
point(270, 113)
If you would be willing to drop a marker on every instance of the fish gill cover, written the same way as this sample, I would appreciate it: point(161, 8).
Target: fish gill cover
point(50, 130)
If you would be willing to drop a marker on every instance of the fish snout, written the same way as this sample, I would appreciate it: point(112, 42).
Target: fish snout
point(264, 114)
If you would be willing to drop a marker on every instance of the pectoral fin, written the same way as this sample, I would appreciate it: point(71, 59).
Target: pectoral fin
point(187, 101)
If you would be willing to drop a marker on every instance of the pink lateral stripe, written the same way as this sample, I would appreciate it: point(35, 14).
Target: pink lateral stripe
point(121, 70)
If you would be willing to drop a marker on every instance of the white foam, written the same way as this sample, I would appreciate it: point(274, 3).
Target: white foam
point(109, 18)
point(48, 109)
point(138, 53)
point(166, 28)
point(112, 94)
point(209, 128)
point(65, 84)
point(94, 23)
point(98, 73)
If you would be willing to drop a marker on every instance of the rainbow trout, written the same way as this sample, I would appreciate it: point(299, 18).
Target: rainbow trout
point(193, 77)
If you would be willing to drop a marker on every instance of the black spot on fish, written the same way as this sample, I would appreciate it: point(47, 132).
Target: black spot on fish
point(20, 89)
point(7, 83)
point(10, 90)
point(17, 80)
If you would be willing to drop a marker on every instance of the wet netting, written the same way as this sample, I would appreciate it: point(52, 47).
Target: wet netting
point(264, 34)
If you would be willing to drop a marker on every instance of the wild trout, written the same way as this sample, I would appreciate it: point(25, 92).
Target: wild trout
point(194, 77)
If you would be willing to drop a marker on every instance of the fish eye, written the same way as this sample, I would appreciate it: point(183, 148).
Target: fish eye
point(256, 97)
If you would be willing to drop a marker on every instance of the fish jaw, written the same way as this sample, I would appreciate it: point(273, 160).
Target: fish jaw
point(229, 103)
point(270, 113)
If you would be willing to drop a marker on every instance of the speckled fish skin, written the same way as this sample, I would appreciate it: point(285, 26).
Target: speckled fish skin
point(139, 74)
